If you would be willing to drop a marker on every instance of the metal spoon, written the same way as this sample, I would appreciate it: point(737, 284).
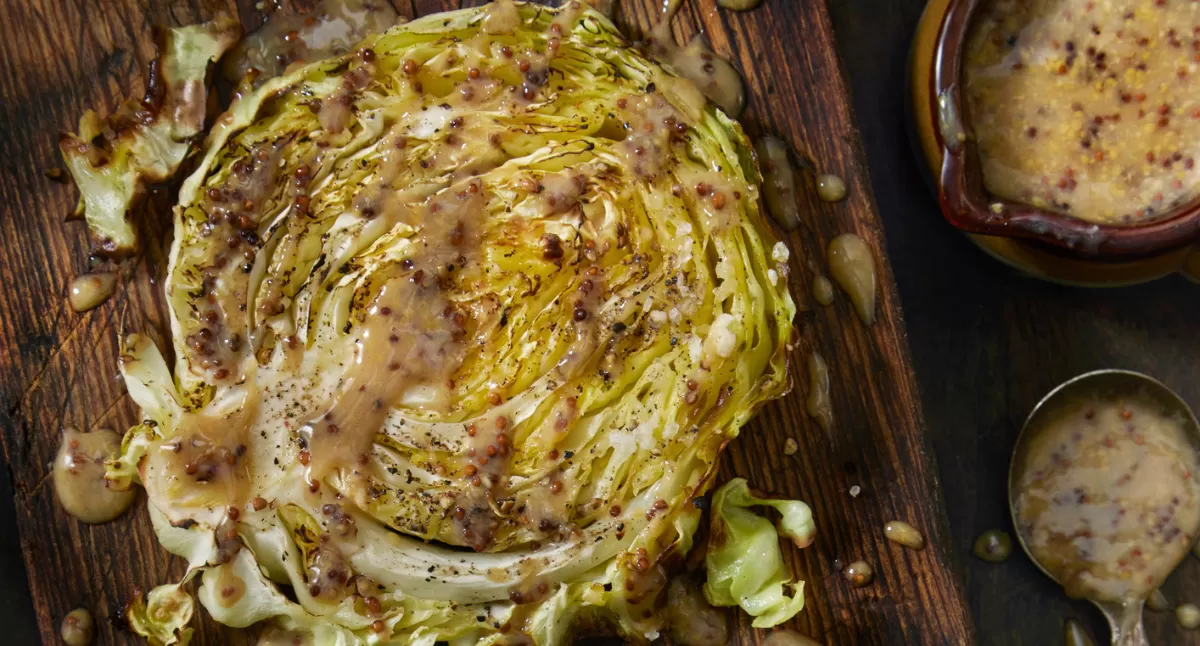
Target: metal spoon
point(1125, 619)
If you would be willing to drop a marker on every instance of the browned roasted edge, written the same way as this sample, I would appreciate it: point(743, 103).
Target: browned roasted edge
point(60, 57)
point(968, 206)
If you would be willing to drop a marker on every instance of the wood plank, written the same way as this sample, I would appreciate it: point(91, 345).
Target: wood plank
point(59, 367)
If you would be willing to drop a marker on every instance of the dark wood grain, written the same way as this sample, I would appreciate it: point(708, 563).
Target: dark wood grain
point(988, 343)
point(59, 368)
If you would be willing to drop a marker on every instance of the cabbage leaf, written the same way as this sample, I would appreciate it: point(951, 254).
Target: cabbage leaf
point(744, 564)
point(113, 158)
point(162, 616)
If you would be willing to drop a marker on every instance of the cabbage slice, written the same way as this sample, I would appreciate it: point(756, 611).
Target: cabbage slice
point(540, 255)
point(744, 564)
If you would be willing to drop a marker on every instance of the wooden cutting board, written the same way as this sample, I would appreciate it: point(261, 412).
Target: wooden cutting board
point(58, 369)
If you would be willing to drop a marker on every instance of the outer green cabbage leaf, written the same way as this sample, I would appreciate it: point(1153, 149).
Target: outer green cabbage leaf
point(744, 564)
point(113, 158)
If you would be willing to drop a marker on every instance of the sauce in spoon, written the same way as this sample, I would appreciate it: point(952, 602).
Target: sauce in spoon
point(1106, 496)
point(1103, 491)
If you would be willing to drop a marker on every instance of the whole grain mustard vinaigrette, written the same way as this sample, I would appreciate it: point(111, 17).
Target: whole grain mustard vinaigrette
point(1087, 108)
point(1108, 500)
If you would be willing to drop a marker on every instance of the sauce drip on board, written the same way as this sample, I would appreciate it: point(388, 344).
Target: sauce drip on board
point(818, 403)
point(1107, 499)
point(90, 290)
point(852, 266)
point(860, 574)
point(901, 533)
point(831, 188)
point(78, 628)
point(1187, 615)
point(79, 481)
point(993, 546)
point(822, 290)
point(779, 182)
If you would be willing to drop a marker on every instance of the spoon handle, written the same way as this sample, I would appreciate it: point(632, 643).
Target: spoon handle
point(1126, 624)
point(1131, 636)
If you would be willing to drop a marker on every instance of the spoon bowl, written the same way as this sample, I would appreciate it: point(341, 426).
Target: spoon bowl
point(1124, 617)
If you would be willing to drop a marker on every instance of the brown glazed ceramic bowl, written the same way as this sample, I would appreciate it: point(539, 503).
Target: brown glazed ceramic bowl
point(968, 206)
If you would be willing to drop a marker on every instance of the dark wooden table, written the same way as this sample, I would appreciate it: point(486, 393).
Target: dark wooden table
point(987, 343)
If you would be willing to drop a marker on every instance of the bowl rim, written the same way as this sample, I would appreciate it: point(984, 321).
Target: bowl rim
point(967, 205)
